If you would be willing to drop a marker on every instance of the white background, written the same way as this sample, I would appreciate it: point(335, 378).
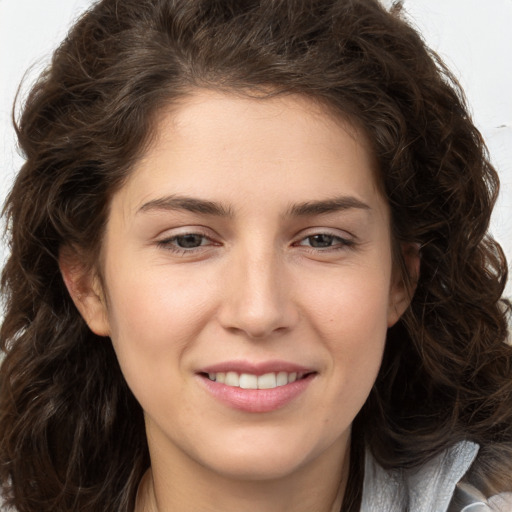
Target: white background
point(473, 36)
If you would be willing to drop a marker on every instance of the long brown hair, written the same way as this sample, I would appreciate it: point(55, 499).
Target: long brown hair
point(71, 433)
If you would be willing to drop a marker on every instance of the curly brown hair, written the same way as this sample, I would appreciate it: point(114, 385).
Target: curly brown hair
point(71, 433)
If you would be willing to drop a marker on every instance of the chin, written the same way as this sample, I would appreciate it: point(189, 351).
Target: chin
point(264, 458)
point(258, 468)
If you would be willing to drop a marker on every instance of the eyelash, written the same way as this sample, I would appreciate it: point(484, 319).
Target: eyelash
point(339, 243)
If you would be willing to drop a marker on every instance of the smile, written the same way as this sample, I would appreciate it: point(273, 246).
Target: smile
point(256, 387)
point(250, 381)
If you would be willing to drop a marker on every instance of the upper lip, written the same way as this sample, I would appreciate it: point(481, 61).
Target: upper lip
point(260, 368)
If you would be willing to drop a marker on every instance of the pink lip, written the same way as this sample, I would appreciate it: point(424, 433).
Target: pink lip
point(256, 400)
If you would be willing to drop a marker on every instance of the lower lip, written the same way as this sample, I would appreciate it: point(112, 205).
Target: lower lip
point(256, 400)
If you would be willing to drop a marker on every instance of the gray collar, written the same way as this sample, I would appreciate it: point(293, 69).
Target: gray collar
point(426, 489)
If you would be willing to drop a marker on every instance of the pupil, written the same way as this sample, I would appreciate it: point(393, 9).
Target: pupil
point(321, 240)
point(189, 241)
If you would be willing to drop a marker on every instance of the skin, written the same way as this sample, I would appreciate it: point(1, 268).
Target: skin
point(270, 278)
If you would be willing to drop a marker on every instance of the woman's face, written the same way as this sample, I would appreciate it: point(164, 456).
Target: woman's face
point(250, 248)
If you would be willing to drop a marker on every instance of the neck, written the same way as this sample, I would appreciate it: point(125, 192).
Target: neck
point(319, 487)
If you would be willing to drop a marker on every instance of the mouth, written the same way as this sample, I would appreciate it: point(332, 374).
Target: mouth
point(269, 380)
point(256, 388)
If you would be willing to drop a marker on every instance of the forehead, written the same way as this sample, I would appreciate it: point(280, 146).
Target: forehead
point(228, 145)
point(206, 115)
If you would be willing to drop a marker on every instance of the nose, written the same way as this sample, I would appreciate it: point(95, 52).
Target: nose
point(257, 299)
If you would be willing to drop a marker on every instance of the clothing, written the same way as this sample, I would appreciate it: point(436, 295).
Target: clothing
point(434, 487)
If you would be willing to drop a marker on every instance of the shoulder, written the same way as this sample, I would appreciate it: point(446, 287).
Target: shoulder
point(468, 498)
point(436, 486)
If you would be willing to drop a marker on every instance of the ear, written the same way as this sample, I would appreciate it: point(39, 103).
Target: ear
point(85, 289)
point(403, 286)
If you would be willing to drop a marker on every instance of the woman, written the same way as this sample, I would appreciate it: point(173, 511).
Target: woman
point(250, 270)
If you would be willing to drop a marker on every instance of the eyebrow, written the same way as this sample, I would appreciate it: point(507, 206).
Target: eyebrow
point(335, 204)
point(205, 207)
point(191, 204)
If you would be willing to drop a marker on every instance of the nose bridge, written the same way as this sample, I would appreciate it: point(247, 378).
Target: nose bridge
point(257, 300)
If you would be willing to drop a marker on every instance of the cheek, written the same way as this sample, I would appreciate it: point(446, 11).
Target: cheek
point(154, 316)
point(154, 320)
point(350, 317)
point(351, 307)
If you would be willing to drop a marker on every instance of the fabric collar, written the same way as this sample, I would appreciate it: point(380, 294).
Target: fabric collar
point(428, 488)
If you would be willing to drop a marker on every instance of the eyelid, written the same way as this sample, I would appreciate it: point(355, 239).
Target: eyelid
point(182, 230)
point(338, 233)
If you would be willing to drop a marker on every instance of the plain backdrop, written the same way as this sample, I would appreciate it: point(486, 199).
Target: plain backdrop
point(474, 37)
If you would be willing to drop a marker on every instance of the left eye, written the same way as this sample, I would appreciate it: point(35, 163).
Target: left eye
point(323, 241)
point(186, 241)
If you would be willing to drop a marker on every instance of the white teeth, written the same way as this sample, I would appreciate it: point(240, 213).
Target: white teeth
point(232, 379)
point(268, 381)
point(250, 381)
point(282, 379)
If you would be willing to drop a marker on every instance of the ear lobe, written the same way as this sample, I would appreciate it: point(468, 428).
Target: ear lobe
point(85, 289)
point(405, 279)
